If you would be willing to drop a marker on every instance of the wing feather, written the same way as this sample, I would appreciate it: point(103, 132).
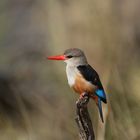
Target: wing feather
point(92, 76)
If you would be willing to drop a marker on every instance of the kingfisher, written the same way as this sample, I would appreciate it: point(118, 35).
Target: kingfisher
point(82, 77)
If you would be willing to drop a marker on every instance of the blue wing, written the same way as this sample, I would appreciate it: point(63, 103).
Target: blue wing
point(101, 94)
point(92, 76)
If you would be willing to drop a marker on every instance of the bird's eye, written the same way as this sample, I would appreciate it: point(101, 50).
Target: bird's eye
point(69, 56)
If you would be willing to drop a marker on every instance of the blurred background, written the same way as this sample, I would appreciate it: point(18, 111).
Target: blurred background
point(36, 102)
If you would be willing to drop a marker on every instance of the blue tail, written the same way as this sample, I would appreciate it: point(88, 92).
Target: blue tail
point(100, 109)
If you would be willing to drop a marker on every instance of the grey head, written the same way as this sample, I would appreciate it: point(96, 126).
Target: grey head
point(75, 57)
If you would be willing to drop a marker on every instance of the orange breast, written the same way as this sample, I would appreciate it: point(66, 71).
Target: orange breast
point(81, 85)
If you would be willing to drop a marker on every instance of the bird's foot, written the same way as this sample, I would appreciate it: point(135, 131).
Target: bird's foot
point(83, 95)
point(83, 100)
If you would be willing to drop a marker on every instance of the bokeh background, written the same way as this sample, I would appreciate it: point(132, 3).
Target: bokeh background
point(36, 102)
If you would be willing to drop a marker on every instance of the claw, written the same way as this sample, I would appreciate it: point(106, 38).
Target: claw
point(83, 95)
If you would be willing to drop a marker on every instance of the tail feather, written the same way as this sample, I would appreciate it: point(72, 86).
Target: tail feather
point(100, 109)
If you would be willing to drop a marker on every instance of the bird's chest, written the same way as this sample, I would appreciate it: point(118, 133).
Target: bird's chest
point(77, 81)
point(71, 75)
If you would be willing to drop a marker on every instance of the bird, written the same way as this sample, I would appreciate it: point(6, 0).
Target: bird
point(82, 77)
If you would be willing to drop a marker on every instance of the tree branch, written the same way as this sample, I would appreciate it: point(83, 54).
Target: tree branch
point(83, 120)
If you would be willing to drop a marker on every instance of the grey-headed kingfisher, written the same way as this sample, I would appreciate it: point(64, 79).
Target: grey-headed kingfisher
point(82, 77)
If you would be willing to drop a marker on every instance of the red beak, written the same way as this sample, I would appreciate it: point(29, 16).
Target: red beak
point(58, 57)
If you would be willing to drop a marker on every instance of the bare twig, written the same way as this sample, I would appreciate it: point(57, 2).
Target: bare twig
point(83, 119)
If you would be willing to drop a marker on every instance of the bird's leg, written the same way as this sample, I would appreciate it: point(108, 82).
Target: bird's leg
point(83, 95)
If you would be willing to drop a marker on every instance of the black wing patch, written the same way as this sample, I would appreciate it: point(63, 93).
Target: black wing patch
point(90, 75)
